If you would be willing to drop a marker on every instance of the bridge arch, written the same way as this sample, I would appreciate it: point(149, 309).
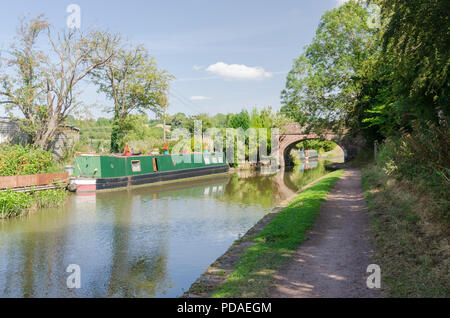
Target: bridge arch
point(292, 134)
point(288, 143)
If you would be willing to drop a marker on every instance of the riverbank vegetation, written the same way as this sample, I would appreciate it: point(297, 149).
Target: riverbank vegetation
point(22, 203)
point(25, 160)
point(408, 199)
point(276, 244)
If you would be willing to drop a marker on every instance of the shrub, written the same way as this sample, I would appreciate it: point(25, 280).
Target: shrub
point(20, 160)
point(420, 156)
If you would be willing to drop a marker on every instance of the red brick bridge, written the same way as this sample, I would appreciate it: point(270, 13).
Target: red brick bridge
point(292, 134)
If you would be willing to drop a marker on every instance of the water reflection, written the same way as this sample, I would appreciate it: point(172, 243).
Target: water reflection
point(146, 242)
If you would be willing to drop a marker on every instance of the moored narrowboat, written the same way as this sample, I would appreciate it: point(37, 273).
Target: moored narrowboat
point(108, 172)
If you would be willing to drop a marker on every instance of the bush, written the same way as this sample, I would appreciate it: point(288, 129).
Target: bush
point(420, 156)
point(19, 160)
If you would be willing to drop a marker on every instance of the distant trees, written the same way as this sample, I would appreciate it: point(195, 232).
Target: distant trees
point(41, 84)
point(240, 120)
point(177, 121)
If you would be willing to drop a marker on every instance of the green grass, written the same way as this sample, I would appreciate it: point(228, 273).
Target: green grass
point(50, 198)
point(276, 244)
point(21, 203)
point(411, 242)
point(14, 203)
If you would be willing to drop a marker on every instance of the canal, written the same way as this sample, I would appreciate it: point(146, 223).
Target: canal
point(147, 242)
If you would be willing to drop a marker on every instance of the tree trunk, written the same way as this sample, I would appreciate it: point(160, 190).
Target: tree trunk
point(43, 139)
point(116, 134)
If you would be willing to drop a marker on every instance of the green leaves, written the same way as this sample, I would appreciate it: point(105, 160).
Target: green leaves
point(323, 85)
point(19, 160)
point(133, 81)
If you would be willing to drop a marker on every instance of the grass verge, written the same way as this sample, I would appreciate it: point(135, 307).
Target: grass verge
point(276, 244)
point(21, 203)
point(412, 242)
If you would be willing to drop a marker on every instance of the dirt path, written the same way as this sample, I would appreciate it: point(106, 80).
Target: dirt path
point(332, 262)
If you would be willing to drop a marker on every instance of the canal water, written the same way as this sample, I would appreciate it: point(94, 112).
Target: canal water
point(147, 242)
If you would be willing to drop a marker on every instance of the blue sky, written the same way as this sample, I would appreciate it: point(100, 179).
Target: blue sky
point(226, 55)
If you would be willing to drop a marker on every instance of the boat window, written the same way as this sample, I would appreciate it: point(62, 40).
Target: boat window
point(136, 165)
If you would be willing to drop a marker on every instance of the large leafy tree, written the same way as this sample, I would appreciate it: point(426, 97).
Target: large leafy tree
point(41, 84)
point(416, 43)
point(323, 86)
point(133, 81)
point(407, 81)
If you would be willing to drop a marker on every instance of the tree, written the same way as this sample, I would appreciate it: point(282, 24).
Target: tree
point(132, 80)
point(323, 86)
point(240, 120)
point(219, 120)
point(42, 84)
point(203, 117)
point(416, 46)
point(178, 120)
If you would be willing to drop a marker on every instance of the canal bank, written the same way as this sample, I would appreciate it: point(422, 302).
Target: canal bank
point(247, 268)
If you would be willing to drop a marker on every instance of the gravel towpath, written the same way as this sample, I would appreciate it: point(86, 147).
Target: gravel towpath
point(332, 262)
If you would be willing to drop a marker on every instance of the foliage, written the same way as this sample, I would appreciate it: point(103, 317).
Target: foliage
point(376, 81)
point(132, 80)
point(422, 157)
point(204, 118)
point(323, 85)
point(276, 244)
point(411, 245)
point(20, 203)
point(416, 43)
point(177, 121)
point(240, 120)
point(14, 203)
point(49, 198)
point(20, 160)
point(315, 144)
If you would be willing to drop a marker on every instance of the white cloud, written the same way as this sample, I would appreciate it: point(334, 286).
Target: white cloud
point(200, 98)
point(340, 2)
point(198, 67)
point(238, 71)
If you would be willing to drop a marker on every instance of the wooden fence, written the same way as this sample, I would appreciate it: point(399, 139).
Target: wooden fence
point(32, 180)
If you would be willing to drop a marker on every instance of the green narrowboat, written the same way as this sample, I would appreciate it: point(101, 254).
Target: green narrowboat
point(99, 172)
